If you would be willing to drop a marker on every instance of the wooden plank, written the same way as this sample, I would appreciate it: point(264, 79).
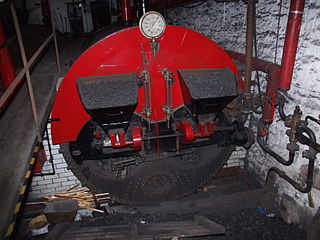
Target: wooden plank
point(210, 225)
point(147, 231)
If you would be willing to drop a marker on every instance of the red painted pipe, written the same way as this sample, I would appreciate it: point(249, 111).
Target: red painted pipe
point(291, 43)
point(273, 71)
point(126, 13)
point(279, 77)
point(7, 72)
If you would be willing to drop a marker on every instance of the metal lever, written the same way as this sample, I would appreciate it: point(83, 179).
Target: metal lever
point(147, 93)
point(167, 108)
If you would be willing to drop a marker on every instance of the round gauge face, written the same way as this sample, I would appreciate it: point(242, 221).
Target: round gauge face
point(152, 24)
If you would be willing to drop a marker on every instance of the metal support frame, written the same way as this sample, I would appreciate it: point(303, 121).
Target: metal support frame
point(27, 65)
point(28, 76)
point(53, 25)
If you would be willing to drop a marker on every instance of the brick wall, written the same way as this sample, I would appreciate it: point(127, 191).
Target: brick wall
point(225, 23)
point(63, 178)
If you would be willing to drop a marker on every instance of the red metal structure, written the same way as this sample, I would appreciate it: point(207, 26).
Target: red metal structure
point(123, 52)
point(149, 125)
point(6, 67)
point(291, 43)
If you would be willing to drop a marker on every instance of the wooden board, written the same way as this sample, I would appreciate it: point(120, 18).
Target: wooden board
point(200, 226)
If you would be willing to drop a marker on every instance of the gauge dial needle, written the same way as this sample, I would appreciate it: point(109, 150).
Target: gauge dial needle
point(154, 22)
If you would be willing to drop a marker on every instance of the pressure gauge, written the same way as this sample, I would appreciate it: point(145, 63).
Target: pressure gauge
point(152, 24)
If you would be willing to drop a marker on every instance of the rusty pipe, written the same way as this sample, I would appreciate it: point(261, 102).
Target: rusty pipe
point(273, 71)
point(309, 154)
point(251, 7)
point(291, 43)
point(279, 77)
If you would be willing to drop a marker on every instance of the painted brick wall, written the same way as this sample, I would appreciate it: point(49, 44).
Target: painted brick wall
point(62, 180)
point(225, 23)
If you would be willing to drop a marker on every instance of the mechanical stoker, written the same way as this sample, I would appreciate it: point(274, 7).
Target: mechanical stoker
point(149, 113)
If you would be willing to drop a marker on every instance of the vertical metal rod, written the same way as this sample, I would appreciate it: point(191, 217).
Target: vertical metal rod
point(143, 7)
point(167, 108)
point(53, 25)
point(25, 63)
point(247, 95)
point(126, 14)
point(249, 51)
point(147, 93)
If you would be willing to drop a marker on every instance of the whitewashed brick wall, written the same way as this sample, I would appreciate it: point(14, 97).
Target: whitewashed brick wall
point(62, 180)
point(237, 158)
point(225, 23)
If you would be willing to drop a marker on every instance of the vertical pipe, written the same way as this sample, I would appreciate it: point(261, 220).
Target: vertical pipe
point(7, 72)
point(291, 43)
point(126, 10)
point(25, 64)
point(271, 94)
point(144, 7)
point(249, 45)
point(246, 95)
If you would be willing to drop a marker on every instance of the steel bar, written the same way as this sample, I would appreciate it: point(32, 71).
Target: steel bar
point(162, 136)
point(21, 74)
point(25, 63)
point(53, 25)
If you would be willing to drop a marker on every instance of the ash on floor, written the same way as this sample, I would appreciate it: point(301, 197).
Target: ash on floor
point(249, 224)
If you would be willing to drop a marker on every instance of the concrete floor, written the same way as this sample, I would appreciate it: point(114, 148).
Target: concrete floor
point(18, 133)
point(238, 203)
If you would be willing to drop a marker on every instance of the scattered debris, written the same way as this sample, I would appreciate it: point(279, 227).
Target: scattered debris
point(206, 188)
point(261, 209)
point(271, 215)
point(39, 225)
point(83, 213)
point(85, 199)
